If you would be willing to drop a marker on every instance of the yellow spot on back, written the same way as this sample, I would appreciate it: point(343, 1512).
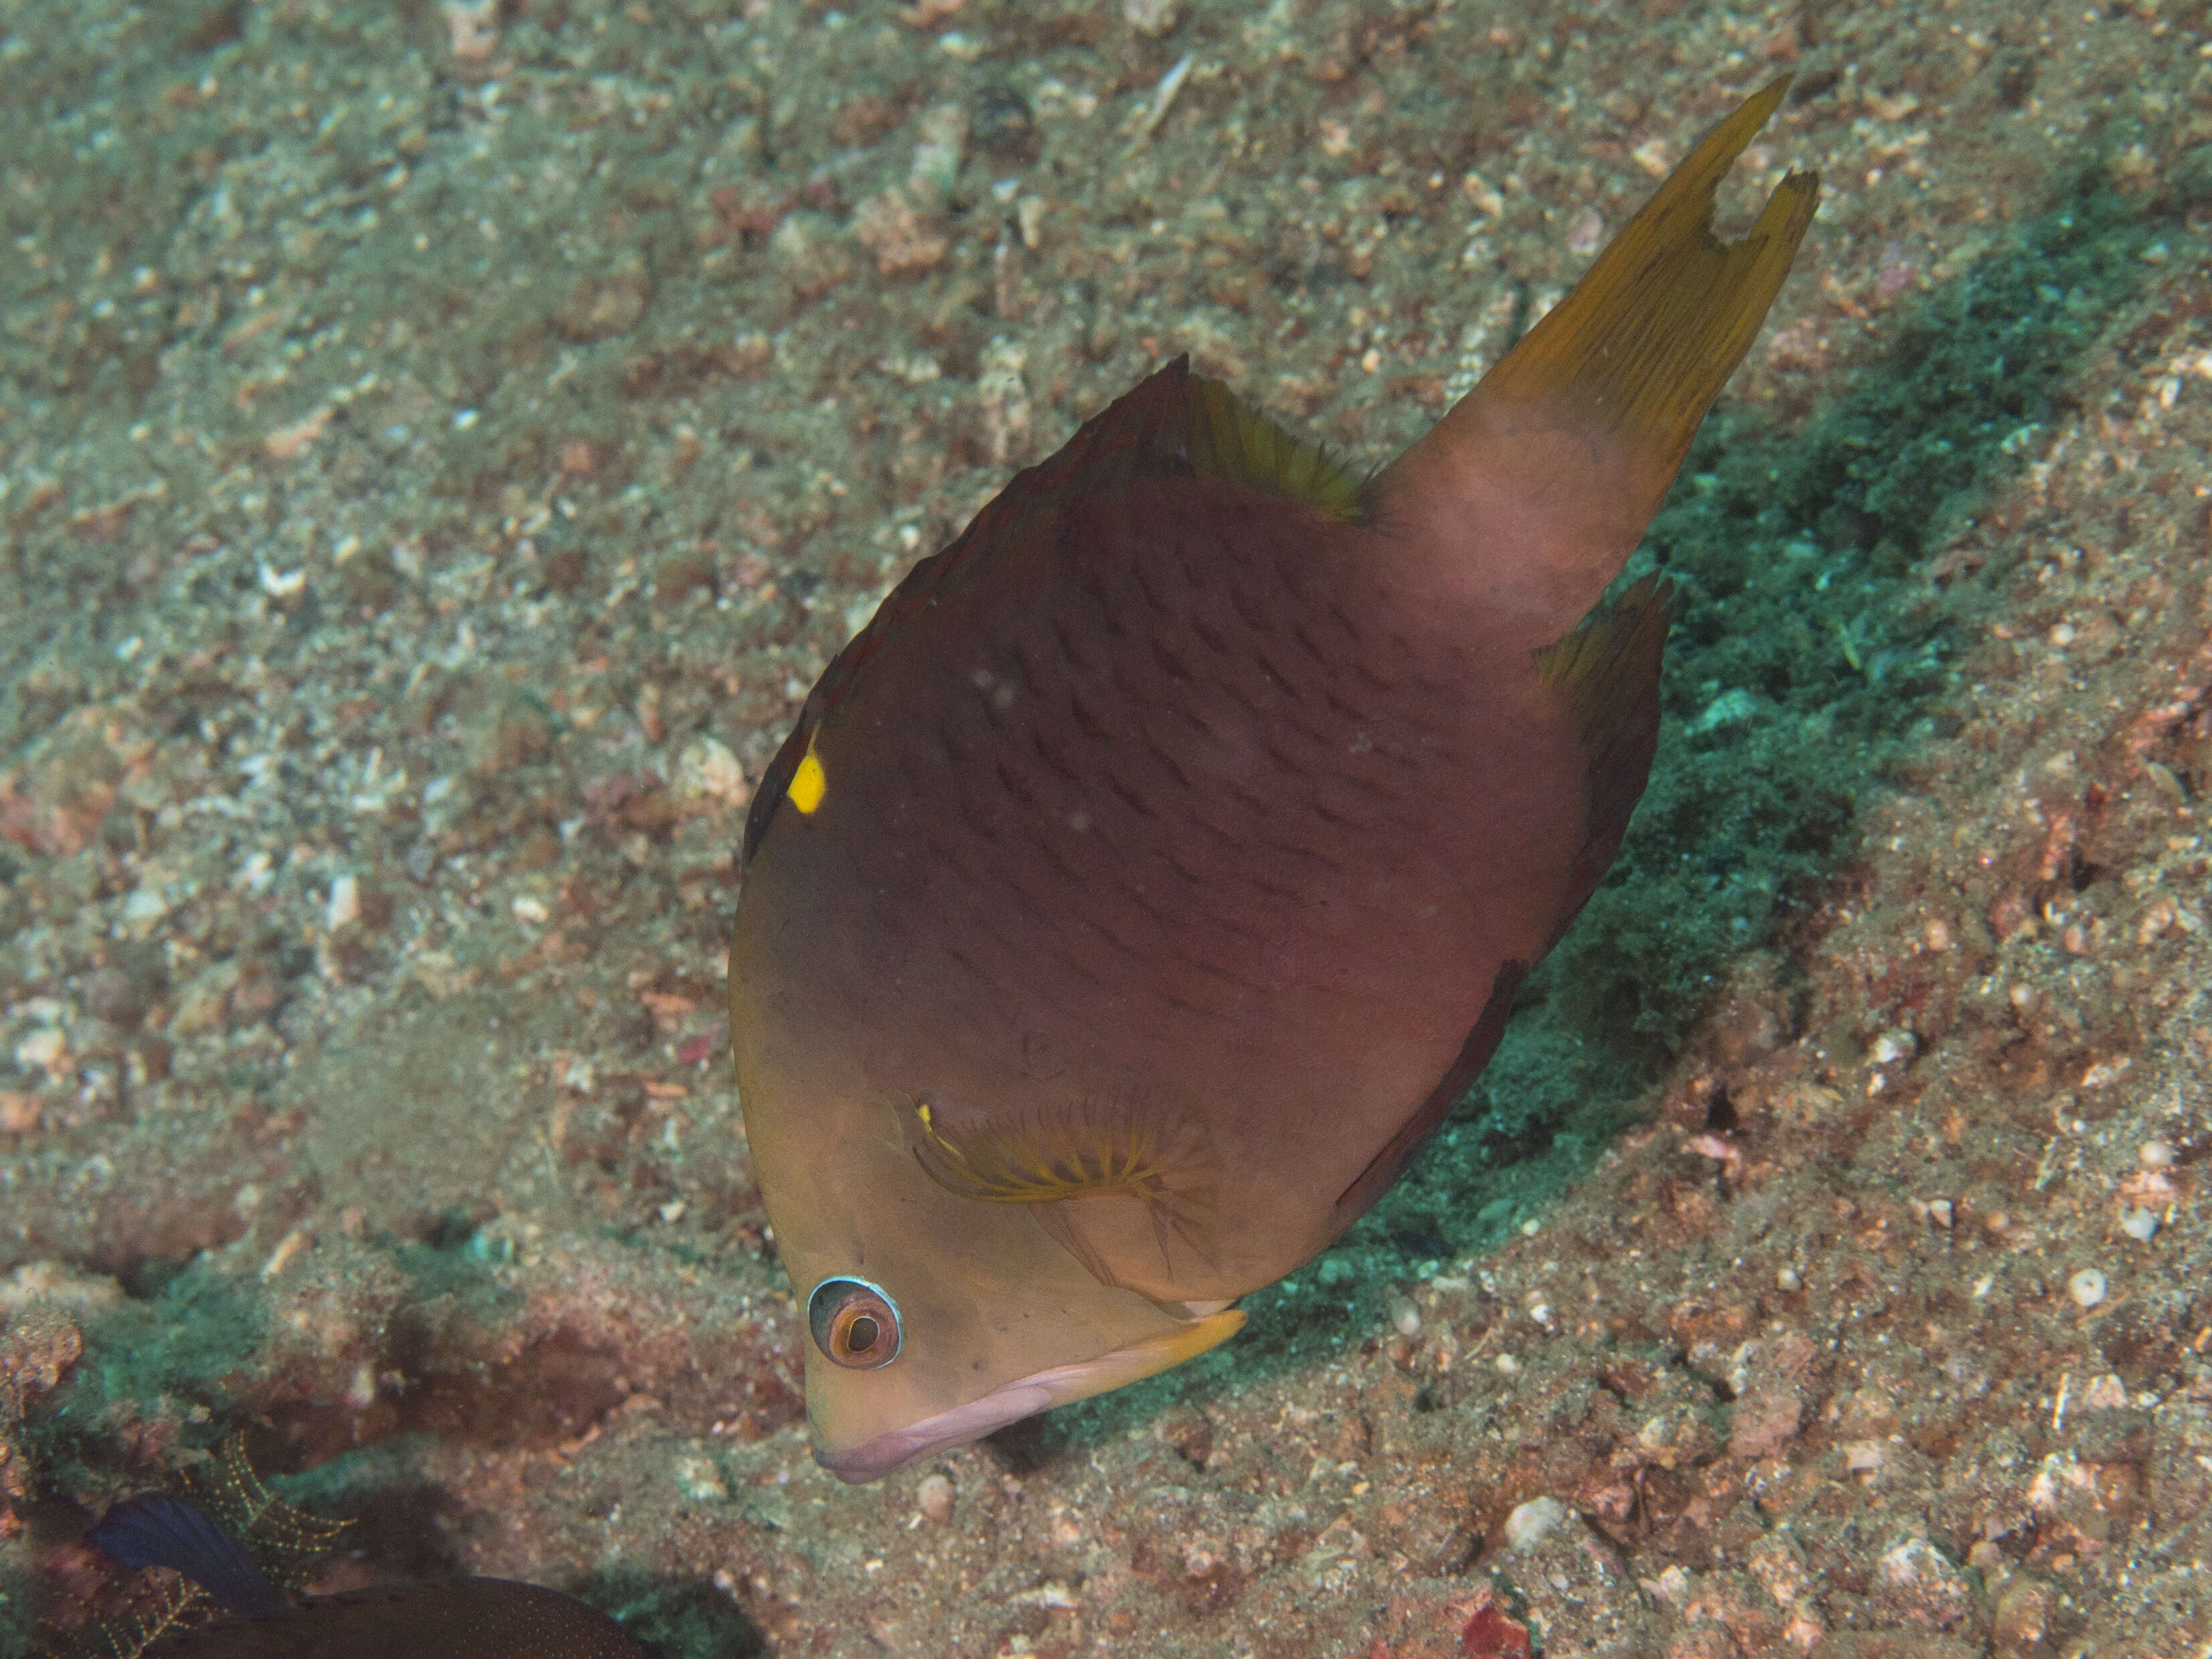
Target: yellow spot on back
point(809, 783)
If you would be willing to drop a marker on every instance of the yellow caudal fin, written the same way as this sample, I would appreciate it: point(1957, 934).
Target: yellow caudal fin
point(1547, 472)
point(1661, 320)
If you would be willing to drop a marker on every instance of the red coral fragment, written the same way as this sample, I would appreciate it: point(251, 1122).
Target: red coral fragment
point(1491, 1635)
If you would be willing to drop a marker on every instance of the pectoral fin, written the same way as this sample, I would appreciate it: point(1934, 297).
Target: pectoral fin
point(1090, 1172)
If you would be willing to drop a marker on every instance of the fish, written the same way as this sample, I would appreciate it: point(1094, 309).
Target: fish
point(1141, 886)
point(460, 1618)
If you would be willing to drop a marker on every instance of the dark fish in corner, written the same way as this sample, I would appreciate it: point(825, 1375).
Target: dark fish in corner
point(463, 1618)
point(1143, 884)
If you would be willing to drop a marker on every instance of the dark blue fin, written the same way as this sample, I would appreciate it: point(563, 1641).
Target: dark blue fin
point(153, 1531)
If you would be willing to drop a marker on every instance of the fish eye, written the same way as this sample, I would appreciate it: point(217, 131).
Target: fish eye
point(855, 1324)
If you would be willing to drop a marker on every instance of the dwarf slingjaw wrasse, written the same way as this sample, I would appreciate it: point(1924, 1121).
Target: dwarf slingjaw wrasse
point(1141, 886)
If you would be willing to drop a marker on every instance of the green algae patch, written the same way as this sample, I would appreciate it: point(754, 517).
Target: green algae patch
point(677, 1616)
point(1815, 638)
point(158, 1368)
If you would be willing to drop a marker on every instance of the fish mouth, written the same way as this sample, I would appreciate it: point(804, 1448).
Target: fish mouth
point(1010, 1402)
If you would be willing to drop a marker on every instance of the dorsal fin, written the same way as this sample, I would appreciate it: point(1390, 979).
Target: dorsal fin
point(1607, 670)
point(1173, 424)
point(1230, 440)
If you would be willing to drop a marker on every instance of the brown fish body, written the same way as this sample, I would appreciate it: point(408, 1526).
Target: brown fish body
point(1200, 810)
point(1140, 887)
point(465, 1619)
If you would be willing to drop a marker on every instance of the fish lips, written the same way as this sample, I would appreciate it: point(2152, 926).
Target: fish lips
point(1010, 1402)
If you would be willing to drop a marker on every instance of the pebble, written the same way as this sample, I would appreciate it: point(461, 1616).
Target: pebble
point(707, 772)
point(1532, 1522)
point(2140, 1225)
point(59, 1283)
point(1152, 17)
point(934, 1498)
point(144, 906)
point(344, 906)
point(700, 1479)
point(1405, 1317)
point(43, 1050)
point(1916, 1582)
point(2087, 1287)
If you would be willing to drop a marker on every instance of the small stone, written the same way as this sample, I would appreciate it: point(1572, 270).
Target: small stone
point(2022, 1616)
point(343, 908)
point(1916, 1580)
point(2140, 1225)
point(708, 773)
point(57, 1283)
point(934, 1497)
point(2155, 1155)
point(1532, 1522)
point(2107, 1393)
point(1405, 1317)
point(1787, 1279)
point(1765, 1416)
point(811, 251)
point(45, 1050)
point(701, 1480)
point(2088, 1287)
point(1154, 17)
point(904, 241)
point(144, 909)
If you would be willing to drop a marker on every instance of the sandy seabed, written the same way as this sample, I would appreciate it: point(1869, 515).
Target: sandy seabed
point(441, 445)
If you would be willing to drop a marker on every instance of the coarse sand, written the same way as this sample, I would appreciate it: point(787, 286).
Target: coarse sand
point(440, 444)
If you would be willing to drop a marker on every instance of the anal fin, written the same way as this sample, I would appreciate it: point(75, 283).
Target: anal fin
point(1607, 670)
point(1383, 1169)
